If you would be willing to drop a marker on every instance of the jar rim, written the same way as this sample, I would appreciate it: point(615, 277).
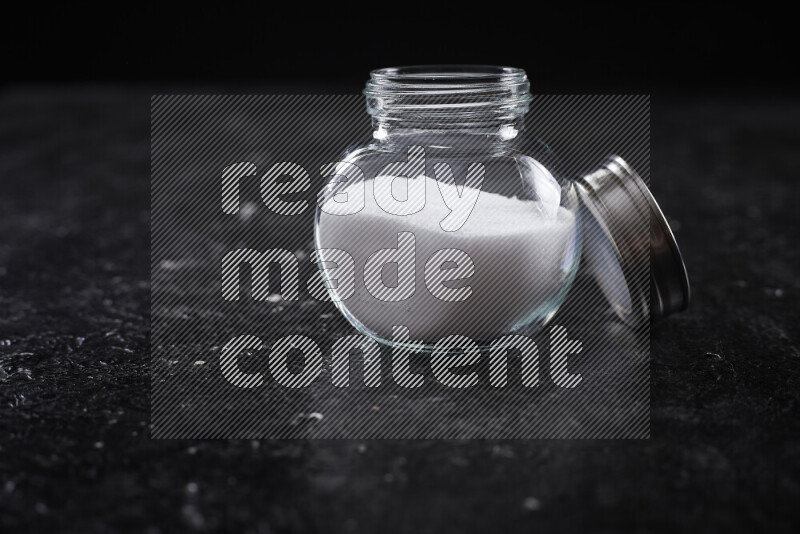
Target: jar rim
point(448, 73)
point(448, 92)
point(447, 79)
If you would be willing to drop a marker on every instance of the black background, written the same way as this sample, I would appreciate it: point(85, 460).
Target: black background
point(74, 376)
point(669, 48)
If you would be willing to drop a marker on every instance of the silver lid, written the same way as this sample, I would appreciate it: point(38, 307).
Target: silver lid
point(621, 253)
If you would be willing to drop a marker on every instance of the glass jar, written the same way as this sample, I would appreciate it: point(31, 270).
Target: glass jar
point(448, 221)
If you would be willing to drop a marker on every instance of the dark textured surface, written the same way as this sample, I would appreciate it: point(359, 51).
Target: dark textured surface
point(74, 382)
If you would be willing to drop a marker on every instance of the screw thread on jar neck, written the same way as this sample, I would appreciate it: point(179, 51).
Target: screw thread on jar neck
point(449, 99)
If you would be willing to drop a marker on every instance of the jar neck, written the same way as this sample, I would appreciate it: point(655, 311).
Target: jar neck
point(448, 102)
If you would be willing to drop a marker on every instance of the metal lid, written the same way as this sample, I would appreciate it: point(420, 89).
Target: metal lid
point(621, 253)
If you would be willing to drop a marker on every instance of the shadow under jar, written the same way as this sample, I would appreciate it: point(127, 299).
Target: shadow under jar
point(451, 220)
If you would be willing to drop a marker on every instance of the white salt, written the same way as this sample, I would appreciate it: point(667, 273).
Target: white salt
point(520, 250)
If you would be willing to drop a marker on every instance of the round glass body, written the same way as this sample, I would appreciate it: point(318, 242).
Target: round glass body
point(451, 220)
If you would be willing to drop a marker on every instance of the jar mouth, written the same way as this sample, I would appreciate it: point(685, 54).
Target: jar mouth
point(440, 92)
point(446, 77)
